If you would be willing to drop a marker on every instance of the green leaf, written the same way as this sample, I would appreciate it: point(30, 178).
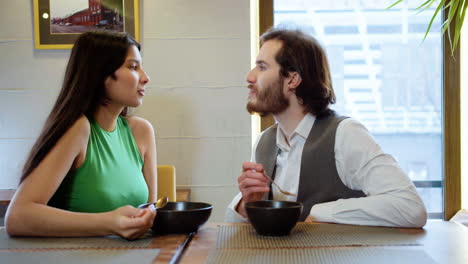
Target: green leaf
point(432, 19)
point(465, 7)
point(428, 3)
point(462, 18)
point(453, 9)
point(458, 24)
point(394, 4)
point(448, 20)
point(450, 39)
point(453, 22)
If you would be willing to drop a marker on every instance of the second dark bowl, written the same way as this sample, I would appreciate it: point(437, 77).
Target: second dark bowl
point(181, 217)
point(273, 218)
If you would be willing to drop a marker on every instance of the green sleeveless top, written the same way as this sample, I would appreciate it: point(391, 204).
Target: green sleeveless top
point(110, 177)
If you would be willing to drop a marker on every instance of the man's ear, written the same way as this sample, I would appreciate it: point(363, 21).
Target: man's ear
point(294, 80)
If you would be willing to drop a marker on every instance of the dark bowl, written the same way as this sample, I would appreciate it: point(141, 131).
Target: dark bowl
point(181, 217)
point(273, 218)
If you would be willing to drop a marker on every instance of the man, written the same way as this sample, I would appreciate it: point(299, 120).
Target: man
point(331, 163)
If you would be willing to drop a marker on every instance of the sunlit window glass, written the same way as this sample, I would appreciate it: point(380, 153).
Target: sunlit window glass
point(385, 77)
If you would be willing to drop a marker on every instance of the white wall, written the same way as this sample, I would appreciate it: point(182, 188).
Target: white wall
point(29, 82)
point(196, 52)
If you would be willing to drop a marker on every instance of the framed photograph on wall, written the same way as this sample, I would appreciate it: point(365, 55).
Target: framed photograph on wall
point(58, 23)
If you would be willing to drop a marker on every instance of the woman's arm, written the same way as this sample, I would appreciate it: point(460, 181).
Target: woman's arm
point(29, 214)
point(143, 133)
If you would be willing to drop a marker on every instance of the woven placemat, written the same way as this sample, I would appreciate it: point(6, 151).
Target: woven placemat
point(101, 256)
point(307, 235)
point(7, 242)
point(344, 255)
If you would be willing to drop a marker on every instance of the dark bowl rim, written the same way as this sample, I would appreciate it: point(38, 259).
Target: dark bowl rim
point(292, 205)
point(207, 207)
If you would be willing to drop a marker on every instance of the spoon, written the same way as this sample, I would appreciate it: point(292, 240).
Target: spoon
point(279, 188)
point(160, 203)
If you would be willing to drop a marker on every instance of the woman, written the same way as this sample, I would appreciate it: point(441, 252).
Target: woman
point(92, 165)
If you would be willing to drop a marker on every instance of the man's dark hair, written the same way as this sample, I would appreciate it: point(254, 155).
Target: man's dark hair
point(302, 53)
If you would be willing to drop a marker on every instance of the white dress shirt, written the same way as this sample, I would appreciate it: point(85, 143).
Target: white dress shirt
point(392, 199)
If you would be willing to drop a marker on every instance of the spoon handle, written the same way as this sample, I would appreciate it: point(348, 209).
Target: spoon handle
point(279, 188)
point(142, 206)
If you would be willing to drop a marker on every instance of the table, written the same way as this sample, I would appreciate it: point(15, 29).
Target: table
point(444, 242)
point(168, 245)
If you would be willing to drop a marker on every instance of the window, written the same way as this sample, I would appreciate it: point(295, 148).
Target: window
point(384, 77)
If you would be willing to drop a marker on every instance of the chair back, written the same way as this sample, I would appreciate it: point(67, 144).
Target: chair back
point(167, 182)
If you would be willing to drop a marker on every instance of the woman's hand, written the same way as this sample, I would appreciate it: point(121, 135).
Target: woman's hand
point(130, 222)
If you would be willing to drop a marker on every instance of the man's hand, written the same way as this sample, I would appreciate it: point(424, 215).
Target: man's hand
point(252, 184)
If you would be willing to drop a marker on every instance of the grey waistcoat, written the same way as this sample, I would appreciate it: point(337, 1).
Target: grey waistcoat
point(318, 181)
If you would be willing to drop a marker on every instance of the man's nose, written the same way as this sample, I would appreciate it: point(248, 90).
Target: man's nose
point(251, 78)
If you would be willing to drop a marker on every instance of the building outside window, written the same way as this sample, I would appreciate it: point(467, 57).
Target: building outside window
point(385, 77)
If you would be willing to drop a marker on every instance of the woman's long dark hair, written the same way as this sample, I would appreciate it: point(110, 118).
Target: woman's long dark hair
point(301, 53)
point(94, 57)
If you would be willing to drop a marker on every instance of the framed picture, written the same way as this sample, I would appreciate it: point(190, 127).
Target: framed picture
point(58, 23)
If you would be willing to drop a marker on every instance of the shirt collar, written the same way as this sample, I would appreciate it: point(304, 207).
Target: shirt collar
point(304, 127)
point(302, 130)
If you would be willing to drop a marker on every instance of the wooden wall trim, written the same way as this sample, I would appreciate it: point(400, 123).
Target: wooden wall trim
point(452, 128)
point(266, 22)
point(266, 15)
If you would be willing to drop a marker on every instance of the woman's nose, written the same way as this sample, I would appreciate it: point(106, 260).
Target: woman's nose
point(145, 78)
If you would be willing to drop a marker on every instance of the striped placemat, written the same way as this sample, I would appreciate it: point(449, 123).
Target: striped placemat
point(314, 235)
point(7, 242)
point(101, 256)
point(343, 255)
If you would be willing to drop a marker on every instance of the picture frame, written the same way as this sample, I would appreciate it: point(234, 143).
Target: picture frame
point(58, 23)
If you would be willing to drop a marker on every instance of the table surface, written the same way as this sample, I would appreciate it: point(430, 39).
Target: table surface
point(444, 242)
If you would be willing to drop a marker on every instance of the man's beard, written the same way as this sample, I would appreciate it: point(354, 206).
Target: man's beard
point(269, 100)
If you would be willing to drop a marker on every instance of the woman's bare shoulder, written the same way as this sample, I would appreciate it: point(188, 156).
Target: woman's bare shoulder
point(140, 125)
point(81, 128)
